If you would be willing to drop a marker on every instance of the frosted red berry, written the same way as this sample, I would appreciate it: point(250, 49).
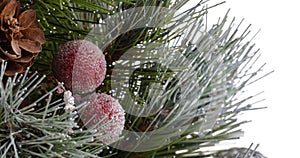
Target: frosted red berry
point(105, 112)
point(80, 65)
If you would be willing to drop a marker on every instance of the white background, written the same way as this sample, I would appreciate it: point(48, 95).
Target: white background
point(275, 128)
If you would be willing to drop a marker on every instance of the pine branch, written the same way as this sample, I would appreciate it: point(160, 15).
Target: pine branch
point(218, 67)
point(41, 128)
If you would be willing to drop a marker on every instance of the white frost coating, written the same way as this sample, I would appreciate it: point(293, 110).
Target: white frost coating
point(69, 101)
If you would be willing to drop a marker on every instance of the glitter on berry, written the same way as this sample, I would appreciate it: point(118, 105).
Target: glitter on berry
point(81, 65)
point(105, 112)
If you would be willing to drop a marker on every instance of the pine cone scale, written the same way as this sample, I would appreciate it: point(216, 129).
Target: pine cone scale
point(10, 55)
point(26, 58)
point(13, 68)
point(34, 31)
point(9, 10)
point(16, 48)
point(26, 19)
point(30, 46)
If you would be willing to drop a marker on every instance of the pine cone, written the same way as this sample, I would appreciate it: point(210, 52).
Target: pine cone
point(21, 38)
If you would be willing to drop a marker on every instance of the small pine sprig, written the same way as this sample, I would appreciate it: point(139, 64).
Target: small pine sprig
point(42, 128)
point(240, 153)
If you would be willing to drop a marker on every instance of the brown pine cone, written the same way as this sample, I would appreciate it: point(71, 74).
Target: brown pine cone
point(21, 38)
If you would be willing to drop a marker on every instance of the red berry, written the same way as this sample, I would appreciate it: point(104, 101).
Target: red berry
point(80, 65)
point(106, 110)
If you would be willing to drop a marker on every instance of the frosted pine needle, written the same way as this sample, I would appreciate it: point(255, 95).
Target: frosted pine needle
point(42, 128)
